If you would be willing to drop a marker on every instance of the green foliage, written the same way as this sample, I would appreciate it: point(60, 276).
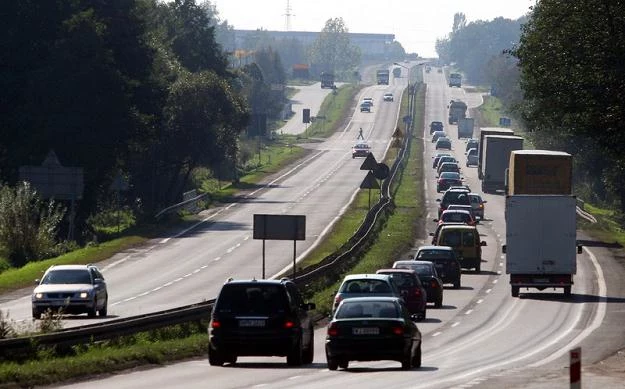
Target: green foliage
point(7, 326)
point(570, 55)
point(28, 226)
point(333, 51)
point(51, 320)
point(110, 222)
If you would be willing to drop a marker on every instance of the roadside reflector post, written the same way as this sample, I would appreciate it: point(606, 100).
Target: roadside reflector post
point(575, 371)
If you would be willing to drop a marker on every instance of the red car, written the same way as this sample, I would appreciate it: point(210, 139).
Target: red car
point(411, 289)
point(456, 216)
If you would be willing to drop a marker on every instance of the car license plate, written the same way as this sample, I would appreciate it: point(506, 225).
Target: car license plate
point(541, 280)
point(251, 323)
point(366, 331)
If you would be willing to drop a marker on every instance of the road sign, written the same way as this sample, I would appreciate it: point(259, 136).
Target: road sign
point(369, 163)
point(306, 115)
point(505, 122)
point(52, 180)
point(398, 133)
point(381, 171)
point(369, 182)
point(280, 227)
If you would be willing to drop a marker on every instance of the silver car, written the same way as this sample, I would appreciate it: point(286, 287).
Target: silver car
point(477, 203)
point(364, 285)
point(72, 289)
point(472, 156)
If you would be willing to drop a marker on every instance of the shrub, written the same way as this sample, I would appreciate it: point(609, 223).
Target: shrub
point(28, 225)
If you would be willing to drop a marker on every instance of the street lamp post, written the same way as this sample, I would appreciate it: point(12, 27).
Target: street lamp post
point(407, 68)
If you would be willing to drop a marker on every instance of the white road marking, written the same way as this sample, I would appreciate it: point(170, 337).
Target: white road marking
point(217, 259)
point(436, 334)
point(495, 281)
point(488, 290)
point(480, 301)
point(455, 324)
point(295, 377)
point(470, 311)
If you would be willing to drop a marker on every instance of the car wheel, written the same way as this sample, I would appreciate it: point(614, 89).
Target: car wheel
point(294, 358)
point(333, 364)
point(36, 314)
point(457, 284)
point(343, 364)
point(232, 359)
point(438, 303)
point(567, 291)
point(103, 311)
point(515, 291)
point(309, 354)
point(94, 310)
point(478, 268)
point(424, 314)
point(406, 362)
point(416, 359)
point(214, 357)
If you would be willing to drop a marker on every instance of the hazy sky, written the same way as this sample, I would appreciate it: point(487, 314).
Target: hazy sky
point(416, 23)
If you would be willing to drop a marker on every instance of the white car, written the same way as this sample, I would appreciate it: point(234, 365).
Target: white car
point(472, 157)
point(388, 97)
point(368, 100)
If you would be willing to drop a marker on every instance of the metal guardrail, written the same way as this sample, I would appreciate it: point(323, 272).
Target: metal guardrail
point(585, 215)
point(110, 329)
point(196, 312)
point(175, 207)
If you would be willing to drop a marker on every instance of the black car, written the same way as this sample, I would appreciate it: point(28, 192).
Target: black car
point(445, 261)
point(429, 279)
point(436, 126)
point(372, 329)
point(453, 196)
point(260, 318)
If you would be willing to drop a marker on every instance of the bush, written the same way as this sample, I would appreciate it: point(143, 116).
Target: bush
point(28, 225)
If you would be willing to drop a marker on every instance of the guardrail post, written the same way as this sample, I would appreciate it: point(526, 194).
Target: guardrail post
point(575, 371)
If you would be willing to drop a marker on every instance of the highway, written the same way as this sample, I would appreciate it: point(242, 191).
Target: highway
point(482, 337)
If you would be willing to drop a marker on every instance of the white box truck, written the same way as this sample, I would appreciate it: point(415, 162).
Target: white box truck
point(465, 127)
point(541, 242)
point(497, 149)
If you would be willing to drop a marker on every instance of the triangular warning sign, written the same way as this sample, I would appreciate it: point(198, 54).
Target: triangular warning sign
point(369, 182)
point(369, 163)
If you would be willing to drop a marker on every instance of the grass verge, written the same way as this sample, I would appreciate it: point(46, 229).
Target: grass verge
point(336, 107)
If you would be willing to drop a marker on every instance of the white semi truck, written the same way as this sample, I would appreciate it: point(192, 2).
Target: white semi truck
point(497, 149)
point(541, 243)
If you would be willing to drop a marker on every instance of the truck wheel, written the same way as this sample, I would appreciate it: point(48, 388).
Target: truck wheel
point(567, 291)
point(515, 291)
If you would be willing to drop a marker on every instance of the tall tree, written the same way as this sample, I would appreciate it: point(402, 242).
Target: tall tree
point(572, 74)
point(333, 51)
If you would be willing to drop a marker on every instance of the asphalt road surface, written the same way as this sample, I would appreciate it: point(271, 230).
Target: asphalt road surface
point(481, 337)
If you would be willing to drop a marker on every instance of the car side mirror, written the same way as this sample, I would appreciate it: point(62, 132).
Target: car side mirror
point(431, 234)
point(438, 200)
point(485, 201)
point(483, 243)
point(98, 280)
point(503, 249)
point(37, 281)
point(434, 220)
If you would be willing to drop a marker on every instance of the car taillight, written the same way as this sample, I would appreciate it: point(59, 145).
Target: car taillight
point(398, 330)
point(434, 284)
point(289, 324)
point(215, 323)
point(333, 330)
point(417, 292)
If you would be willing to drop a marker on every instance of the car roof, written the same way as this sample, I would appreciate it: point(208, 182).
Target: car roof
point(459, 226)
point(449, 163)
point(382, 271)
point(449, 174)
point(388, 94)
point(361, 145)
point(371, 298)
point(431, 247)
point(457, 210)
point(255, 281)
point(370, 276)
point(475, 194)
point(70, 267)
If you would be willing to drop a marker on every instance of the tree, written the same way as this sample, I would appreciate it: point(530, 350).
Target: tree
point(572, 75)
point(333, 51)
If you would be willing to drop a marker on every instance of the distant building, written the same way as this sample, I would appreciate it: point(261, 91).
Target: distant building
point(370, 44)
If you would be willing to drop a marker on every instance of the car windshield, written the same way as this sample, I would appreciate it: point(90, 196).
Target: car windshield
point(361, 309)
point(252, 299)
point(434, 254)
point(76, 276)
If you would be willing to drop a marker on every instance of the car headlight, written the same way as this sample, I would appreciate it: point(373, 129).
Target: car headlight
point(38, 295)
point(84, 295)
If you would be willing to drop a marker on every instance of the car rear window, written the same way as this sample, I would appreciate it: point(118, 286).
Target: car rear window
point(434, 254)
point(403, 280)
point(456, 217)
point(352, 309)
point(366, 286)
point(451, 238)
point(252, 299)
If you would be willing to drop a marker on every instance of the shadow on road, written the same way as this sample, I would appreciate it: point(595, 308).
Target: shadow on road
point(597, 243)
point(276, 365)
point(574, 299)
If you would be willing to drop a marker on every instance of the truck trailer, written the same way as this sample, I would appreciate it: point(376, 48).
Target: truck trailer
point(465, 127)
point(497, 149)
point(541, 243)
point(382, 76)
point(539, 172)
point(455, 79)
point(480, 151)
point(327, 80)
